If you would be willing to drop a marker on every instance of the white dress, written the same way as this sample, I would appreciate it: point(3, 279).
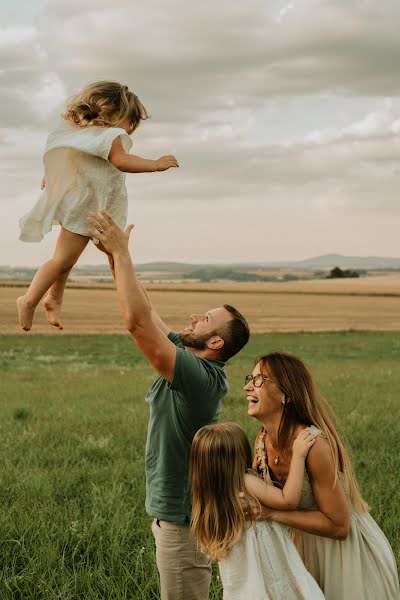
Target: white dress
point(79, 179)
point(361, 567)
point(265, 565)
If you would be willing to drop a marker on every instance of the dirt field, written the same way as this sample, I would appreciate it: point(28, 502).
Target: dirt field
point(371, 303)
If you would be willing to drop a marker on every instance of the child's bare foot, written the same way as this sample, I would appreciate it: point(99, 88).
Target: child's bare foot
point(25, 313)
point(53, 310)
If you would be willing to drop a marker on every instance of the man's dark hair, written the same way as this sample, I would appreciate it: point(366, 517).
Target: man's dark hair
point(235, 333)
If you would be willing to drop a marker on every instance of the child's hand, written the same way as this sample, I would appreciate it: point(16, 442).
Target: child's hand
point(303, 443)
point(166, 162)
point(43, 183)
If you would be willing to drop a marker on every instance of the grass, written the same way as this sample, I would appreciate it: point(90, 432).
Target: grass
point(72, 436)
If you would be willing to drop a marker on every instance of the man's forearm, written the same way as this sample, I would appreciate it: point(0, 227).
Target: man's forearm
point(132, 298)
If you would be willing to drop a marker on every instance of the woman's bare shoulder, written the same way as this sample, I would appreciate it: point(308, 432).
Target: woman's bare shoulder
point(320, 461)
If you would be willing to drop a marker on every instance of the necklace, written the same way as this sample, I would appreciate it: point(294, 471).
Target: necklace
point(277, 457)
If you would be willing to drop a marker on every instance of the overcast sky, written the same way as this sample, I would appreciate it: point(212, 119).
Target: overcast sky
point(284, 116)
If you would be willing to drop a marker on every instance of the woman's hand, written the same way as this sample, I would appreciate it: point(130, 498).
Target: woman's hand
point(265, 513)
point(253, 509)
point(43, 183)
point(303, 443)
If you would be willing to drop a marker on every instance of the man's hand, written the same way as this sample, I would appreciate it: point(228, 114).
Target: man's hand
point(166, 162)
point(103, 228)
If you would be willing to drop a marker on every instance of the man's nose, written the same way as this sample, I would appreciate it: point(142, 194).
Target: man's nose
point(197, 317)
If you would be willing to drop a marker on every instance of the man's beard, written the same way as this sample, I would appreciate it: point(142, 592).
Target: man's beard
point(191, 340)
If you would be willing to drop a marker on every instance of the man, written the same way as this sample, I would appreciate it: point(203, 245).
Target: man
point(185, 396)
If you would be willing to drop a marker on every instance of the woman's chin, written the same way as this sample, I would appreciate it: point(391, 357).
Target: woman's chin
point(252, 411)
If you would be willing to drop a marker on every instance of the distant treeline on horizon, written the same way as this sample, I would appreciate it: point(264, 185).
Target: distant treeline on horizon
point(202, 273)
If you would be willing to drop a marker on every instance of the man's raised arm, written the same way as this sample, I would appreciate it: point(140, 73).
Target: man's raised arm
point(155, 316)
point(148, 330)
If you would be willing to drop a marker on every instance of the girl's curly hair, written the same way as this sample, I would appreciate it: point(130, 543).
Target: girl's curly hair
point(106, 104)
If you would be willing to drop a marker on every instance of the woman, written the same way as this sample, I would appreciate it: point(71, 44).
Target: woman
point(339, 542)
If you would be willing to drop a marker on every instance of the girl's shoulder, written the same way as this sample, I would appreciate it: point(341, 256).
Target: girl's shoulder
point(91, 139)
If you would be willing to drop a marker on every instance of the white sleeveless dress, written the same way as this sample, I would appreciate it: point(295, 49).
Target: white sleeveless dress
point(361, 567)
point(265, 565)
point(79, 179)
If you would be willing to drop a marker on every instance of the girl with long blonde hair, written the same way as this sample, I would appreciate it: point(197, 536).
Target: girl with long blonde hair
point(338, 540)
point(85, 161)
point(257, 559)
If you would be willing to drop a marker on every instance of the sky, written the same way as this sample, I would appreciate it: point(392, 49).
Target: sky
point(284, 117)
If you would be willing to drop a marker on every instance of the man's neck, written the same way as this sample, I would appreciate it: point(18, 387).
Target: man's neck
point(207, 353)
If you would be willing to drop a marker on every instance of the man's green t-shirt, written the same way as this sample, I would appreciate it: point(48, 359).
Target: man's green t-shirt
point(177, 411)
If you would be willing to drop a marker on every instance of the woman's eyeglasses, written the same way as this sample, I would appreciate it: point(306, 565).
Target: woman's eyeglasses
point(257, 380)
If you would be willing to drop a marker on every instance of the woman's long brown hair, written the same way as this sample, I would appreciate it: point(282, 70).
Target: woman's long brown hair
point(305, 404)
point(219, 457)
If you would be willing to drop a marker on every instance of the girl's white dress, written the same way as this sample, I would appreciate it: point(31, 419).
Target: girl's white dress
point(265, 565)
point(79, 179)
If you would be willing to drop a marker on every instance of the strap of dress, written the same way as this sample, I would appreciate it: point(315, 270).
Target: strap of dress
point(315, 431)
point(261, 454)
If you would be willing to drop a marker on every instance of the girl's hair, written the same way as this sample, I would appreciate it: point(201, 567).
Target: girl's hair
point(305, 404)
point(105, 104)
point(219, 458)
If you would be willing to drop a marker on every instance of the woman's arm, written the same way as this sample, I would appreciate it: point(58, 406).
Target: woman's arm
point(332, 519)
point(289, 497)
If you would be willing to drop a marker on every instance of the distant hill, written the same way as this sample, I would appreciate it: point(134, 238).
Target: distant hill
point(356, 262)
point(325, 261)
point(235, 271)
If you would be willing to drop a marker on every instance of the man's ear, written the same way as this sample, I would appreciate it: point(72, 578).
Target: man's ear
point(215, 342)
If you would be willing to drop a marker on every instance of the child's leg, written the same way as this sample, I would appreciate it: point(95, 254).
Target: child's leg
point(68, 249)
point(54, 297)
point(52, 302)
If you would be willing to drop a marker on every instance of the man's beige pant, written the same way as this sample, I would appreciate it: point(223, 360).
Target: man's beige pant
point(185, 572)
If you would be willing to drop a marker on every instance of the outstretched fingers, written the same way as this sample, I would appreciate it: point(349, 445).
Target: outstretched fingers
point(107, 217)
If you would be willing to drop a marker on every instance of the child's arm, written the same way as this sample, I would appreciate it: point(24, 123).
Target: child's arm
point(129, 163)
point(289, 497)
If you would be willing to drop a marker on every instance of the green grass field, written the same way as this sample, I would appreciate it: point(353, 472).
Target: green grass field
point(73, 428)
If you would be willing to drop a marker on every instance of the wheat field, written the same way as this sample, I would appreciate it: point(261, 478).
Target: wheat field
point(371, 303)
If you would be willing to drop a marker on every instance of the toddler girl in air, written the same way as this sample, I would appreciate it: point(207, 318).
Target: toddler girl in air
point(85, 161)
